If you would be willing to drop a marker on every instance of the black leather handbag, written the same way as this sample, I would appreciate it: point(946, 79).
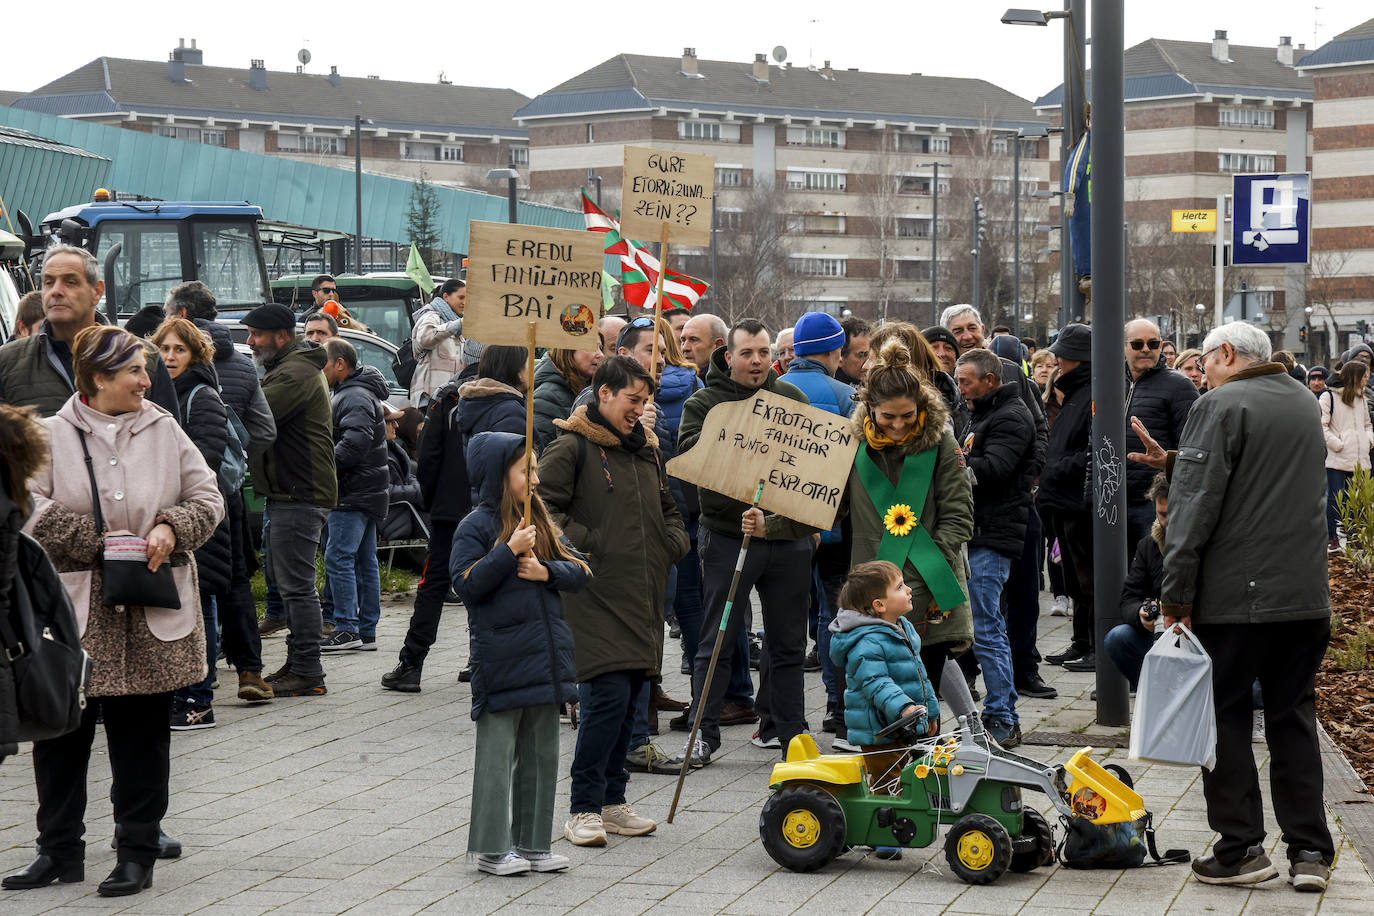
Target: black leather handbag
point(128, 581)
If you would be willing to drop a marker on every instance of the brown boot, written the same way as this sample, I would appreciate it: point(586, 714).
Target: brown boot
point(253, 688)
point(661, 701)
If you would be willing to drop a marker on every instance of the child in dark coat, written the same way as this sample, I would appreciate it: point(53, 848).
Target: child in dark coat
point(509, 575)
point(884, 677)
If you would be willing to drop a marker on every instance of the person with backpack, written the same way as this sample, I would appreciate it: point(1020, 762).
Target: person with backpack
point(1349, 439)
point(188, 353)
point(435, 341)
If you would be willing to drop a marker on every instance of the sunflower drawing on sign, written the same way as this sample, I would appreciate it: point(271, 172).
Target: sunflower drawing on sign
point(577, 319)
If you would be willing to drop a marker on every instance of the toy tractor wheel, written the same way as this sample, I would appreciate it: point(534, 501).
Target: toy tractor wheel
point(978, 849)
point(1120, 773)
point(802, 827)
point(1043, 853)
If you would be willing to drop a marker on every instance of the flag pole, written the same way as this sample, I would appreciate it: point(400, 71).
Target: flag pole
point(658, 301)
point(700, 699)
point(529, 422)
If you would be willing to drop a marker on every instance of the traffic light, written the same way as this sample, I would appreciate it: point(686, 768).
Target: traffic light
point(1302, 334)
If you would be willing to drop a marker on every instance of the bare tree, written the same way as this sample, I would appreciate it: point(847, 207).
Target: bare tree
point(1326, 286)
point(879, 187)
point(755, 275)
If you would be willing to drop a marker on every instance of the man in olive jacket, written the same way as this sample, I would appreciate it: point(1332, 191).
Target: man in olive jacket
point(1245, 568)
point(296, 476)
point(605, 486)
point(778, 564)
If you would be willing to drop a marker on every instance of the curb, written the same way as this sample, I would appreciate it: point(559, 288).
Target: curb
point(1347, 798)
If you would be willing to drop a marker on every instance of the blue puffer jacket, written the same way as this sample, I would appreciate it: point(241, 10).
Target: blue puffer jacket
point(675, 386)
point(883, 674)
point(522, 648)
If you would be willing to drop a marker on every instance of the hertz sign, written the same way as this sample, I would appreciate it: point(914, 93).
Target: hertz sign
point(1194, 221)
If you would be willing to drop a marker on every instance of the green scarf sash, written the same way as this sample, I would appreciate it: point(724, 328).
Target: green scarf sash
point(917, 547)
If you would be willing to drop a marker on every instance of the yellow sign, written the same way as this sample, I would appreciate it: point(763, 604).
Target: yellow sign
point(664, 187)
point(802, 453)
point(1194, 221)
point(520, 273)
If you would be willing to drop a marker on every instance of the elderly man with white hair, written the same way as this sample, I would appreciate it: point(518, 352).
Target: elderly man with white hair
point(1245, 569)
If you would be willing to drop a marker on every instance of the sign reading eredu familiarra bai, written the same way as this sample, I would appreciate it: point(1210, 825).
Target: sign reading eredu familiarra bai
point(802, 454)
point(517, 274)
point(663, 186)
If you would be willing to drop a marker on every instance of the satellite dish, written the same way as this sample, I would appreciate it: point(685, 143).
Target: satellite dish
point(779, 54)
point(303, 55)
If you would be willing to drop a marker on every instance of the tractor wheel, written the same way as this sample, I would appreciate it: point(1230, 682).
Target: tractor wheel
point(1043, 853)
point(978, 849)
point(802, 827)
point(1120, 773)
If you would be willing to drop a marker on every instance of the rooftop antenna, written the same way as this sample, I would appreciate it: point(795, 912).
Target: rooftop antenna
point(303, 55)
point(811, 45)
point(779, 54)
point(1316, 25)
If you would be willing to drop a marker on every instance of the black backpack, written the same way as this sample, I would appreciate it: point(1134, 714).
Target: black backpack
point(1124, 845)
point(403, 363)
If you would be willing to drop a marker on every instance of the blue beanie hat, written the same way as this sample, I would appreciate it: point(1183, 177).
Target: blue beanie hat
point(817, 332)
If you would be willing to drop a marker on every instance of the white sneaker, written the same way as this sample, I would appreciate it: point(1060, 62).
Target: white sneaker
point(771, 744)
point(842, 744)
point(508, 863)
point(1061, 606)
point(545, 861)
point(701, 755)
point(626, 821)
point(585, 829)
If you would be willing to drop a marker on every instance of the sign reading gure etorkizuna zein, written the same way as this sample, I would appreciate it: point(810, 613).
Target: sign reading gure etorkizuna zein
point(517, 274)
point(801, 453)
point(665, 186)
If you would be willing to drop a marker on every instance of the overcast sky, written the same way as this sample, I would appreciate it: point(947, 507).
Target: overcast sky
point(533, 46)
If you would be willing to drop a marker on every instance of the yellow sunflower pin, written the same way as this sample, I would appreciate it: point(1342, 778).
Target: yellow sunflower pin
point(899, 520)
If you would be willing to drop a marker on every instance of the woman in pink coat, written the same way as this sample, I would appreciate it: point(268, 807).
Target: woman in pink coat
point(154, 484)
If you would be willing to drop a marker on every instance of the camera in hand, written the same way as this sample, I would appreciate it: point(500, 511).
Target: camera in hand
point(1151, 608)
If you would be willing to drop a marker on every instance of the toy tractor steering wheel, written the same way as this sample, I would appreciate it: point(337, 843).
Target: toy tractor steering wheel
point(903, 729)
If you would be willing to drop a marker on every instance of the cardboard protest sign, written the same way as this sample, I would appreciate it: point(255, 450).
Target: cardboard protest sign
point(521, 273)
point(663, 186)
point(803, 455)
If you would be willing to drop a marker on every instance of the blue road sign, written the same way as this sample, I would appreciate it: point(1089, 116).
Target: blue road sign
point(1272, 219)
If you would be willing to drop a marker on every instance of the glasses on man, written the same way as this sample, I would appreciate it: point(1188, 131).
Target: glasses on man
point(329, 289)
point(642, 322)
point(1142, 344)
point(1202, 360)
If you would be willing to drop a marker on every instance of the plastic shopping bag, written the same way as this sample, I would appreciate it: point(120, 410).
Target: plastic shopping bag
point(1175, 720)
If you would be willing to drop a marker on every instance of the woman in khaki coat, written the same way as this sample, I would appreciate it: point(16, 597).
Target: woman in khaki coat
point(154, 484)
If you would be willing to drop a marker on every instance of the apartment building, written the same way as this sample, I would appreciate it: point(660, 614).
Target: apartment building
point(1341, 280)
point(843, 160)
point(1196, 114)
point(451, 134)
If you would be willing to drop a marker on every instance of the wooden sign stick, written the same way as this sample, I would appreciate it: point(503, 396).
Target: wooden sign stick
point(529, 424)
point(715, 654)
point(658, 302)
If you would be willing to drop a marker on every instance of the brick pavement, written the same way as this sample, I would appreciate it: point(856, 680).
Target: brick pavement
point(358, 802)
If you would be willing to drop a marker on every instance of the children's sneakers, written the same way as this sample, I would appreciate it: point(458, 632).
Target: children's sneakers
point(507, 863)
point(585, 829)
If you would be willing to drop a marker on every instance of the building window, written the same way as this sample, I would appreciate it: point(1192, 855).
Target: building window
point(729, 176)
point(1245, 162)
point(829, 223)
point(591, 133)
point(816, 181)
point(698, 130)
point(815, 136)
point(937, 145)
point(431, 152)
point(451, 153)
point(912, 270)
point(1001, 146)
point(913, 227)
point(817, 266)
point(519, 156)
point(729, 219)
point(835, 307)
point(309, 143)
point(212, 137)
point(1262, 118)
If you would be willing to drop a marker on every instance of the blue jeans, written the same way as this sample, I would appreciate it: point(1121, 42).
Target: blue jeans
point(606, 706)
point(350, 570)
point(1336, 482)
point(988, 573)
point(1127, 646)
point(202, 694)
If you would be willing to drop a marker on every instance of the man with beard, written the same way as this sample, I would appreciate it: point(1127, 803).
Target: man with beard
point(296, 476)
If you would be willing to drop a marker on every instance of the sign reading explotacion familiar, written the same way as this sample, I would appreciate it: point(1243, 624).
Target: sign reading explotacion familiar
point(664, 186)
point(521, 273)
point(801, 453)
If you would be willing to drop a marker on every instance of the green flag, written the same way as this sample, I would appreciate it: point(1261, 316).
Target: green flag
point(608, 285)
point(417, 271)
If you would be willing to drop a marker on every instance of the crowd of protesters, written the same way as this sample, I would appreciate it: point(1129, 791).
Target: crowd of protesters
point(984, 436)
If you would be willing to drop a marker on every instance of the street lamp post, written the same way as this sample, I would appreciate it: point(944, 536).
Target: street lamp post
point(511, 176)
point(1016, 234)
point(978, 216)
point(934, 238)
point(358, 192)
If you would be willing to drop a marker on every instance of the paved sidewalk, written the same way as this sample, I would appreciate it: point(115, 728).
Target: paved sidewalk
point(358, 802)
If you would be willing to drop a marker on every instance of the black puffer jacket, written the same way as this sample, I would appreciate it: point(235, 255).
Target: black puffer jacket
point(486, 406)
point(1161, 399)
point(1002, 456)
point(360, 442)
point(1063, 482)
point(522, 647)
point(402, 487)
point(959, 416)
point(203, 419)
point(1146, 577)
point(1030, 396)
point(439, 464)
